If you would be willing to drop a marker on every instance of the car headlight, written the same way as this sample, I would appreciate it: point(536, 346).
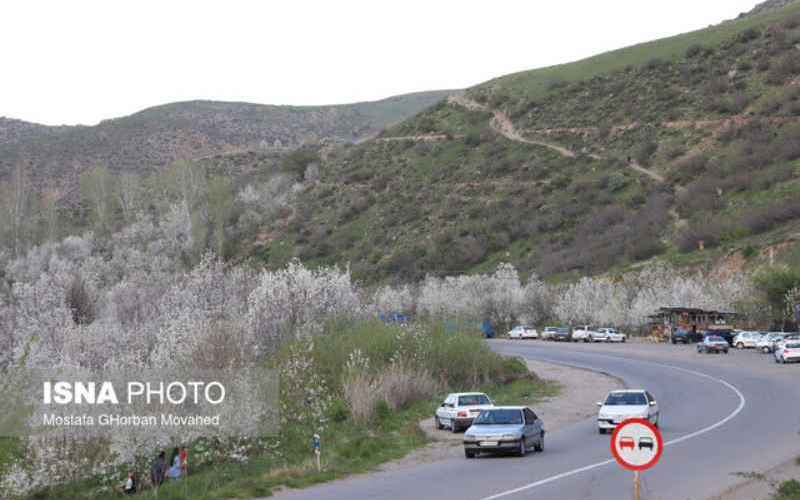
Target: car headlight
point(604, 416)
point(469, 437)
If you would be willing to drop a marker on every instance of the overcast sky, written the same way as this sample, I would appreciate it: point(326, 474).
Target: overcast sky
point(83, 61)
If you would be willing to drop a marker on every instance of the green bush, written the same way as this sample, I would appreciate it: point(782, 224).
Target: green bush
point(788, 490)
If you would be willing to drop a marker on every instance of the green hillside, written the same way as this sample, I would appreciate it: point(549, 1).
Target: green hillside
point(579, 168)
point(158, 136)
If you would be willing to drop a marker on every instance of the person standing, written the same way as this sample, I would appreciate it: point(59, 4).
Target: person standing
point(158, 470)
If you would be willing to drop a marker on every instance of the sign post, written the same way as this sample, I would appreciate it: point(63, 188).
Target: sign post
point(637, 446)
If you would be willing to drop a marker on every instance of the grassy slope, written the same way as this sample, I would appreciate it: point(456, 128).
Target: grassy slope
point(399, 210)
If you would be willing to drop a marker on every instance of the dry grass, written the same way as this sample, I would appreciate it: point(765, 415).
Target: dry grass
point(399, 386)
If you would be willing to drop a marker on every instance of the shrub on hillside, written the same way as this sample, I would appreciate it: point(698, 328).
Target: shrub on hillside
point(761, 220)
point(707, 232)
point(698, 50)
point(748, 35)
point(786, 67)
point(646, 151)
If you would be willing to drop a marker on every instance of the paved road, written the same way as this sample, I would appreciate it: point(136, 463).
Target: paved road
point(721, 415)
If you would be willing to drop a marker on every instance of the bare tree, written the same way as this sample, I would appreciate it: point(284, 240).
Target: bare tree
point(14, 199)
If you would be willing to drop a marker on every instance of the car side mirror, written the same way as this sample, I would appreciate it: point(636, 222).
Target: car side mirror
point(599, 403)
point(652, 403)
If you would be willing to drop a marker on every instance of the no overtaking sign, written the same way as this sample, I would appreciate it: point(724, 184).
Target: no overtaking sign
point(637, 444)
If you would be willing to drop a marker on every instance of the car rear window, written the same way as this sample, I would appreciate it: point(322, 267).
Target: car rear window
point(793, 345)
point(473, 400)
point(626, 399)
point(715, 339)
point(499, 417)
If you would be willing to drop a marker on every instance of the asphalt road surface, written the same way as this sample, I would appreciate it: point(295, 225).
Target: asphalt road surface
point(721, 417)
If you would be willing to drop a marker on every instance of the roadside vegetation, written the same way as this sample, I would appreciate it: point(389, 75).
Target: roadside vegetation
point(364, 387)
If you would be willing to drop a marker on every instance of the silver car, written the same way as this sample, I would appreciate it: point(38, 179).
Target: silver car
point(504, 429)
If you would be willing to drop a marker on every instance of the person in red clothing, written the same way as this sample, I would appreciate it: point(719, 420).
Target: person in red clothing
point(184, 460)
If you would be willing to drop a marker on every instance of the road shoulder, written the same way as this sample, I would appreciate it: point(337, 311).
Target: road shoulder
point(761, 485)
point(580, 390)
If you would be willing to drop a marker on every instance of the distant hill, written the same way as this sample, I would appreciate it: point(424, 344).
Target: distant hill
point(160, 135)
point(684, 149)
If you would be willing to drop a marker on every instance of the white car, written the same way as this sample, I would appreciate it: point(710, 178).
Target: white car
point(523, 332)
point(766, 344)
point(788, 352)
point(584, 334)
point(460, 409)
point(787, 337)
point(624, 404)
point(747, 340)
point(611, 335)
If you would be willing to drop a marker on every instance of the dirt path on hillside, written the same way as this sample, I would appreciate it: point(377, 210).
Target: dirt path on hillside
point(419, 138)
point(580, 389)
point(503, 125)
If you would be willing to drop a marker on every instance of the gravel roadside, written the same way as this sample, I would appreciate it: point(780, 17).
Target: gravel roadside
point(580, 390)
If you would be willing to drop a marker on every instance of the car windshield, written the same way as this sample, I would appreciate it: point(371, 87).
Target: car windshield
point(714, 338)
point(626, 399)
point(473, 400)
point(499, 417)
point(562, 330)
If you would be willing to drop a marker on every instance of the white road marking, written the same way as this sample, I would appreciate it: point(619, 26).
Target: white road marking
point(557, 477)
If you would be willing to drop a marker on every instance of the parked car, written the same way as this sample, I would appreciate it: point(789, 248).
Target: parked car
point(725, 333)
point(460, 409)
point(584, 334)
point(511, 429)
point(682, 336)
point(624, 404)
point(789, 352)
point(555, 333)
point(523, 332)
point(610, 335)
point(747, 340)
point(787, 337)
point(766, 343)
point(713, 344)
point(561, 335)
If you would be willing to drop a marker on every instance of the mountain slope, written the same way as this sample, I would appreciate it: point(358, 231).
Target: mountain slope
point(654, 150)
point(161, 135)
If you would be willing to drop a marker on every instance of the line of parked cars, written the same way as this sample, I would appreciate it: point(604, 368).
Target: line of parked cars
point(563, 334)
point(517, 429)
point(785, 347)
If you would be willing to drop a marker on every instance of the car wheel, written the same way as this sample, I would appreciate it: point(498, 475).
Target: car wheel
point(725, 351)
point(438, 422)
point(623, 340)
point(740, 346)
point(469, 454)
point(523, 450)
point(765, 350)
point(454, 428)
point(539, 447)
point(601, 430)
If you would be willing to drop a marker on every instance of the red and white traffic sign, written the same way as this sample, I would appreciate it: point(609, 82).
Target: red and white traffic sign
point(637, 444)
